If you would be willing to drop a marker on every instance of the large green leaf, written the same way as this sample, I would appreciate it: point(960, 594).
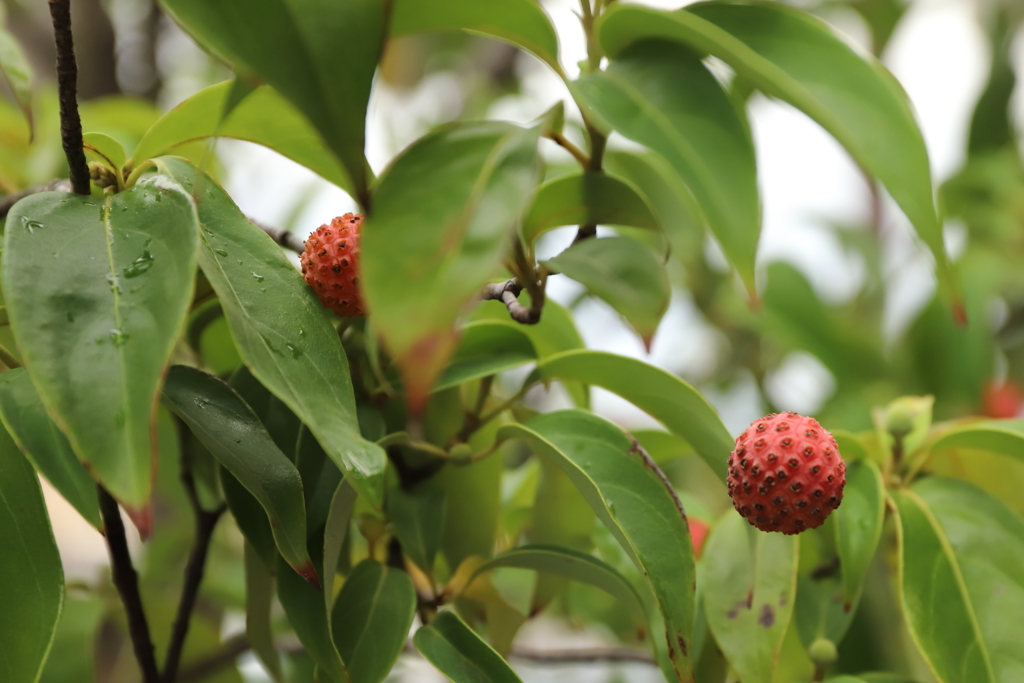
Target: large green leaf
point(963, 605)
point(435, 238)
point(748, 583)
point(31, 576)
point(487, 347)
point(939, 611)
point(15, 68)
point(522, 23)
point(569, 564)
point(372, 618)
point(45, 445)
point(858, 524)
point(263, 117)
point(624, 273)
point(97, 291)
point(790, 54)
point(635, 505)
point(661, 95)
point(304, 606)
point(583, 198)
point(229, 428)
point(281, 331)
point(293, 45)
point(675, 403)
point(999, 436)
point(460, 654)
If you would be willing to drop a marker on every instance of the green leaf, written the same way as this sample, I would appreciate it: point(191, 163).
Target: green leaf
point(339, 519)
point(97, 293)
point(680, 407)
point(789, 54)
point(293, 46)
point(748, 581)
point(998, 436)
point(230, 429)
point(16, 70)
point(487, 347)
point(263, 117)
point(624, 273)
point(473, 496)
point(304, 606)
point(939, 611)
point(105, 149)
point(259, 594)
point(418, 518)
point(858, 524)
point(660, 94)
point(570, 564)
point(281, 332)
point(522, 23)
point(982, 542)
point(460, 654)
point(436, 238)
point(45, 445)
point(555, 332)
point(582, 198)
point(80, 622)
point(250, 517)
point(371, 619)
point(31, 576)
point(634, 504)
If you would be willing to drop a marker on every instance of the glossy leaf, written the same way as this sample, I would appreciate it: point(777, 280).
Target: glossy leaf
point(748, 581)
point(570, 564)
point(625, 274)
point(418, 518)
point(435, 238)
point(633, 503)
point(304, 606)
point(234, 435)
point(792, 55)
point(372, 618)
point(522, 23)
point(263, 116)
point(45, 445)
point(279, 327)
point(259, 594)
point(999, 436)
point(105, 149)
point(983, 542)
point(96, 333)
point(660, 94)
point(858, 524)
point(460, 654)
point(292, 45)
point(669, 399)
point(487, 348)
point(250, 517)
point(582, 198)
point(31, 576)
point(939, 612)
point(15, 68)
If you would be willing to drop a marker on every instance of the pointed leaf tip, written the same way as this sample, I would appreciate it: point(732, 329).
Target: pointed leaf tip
point(308, 572)
point(142, 518)
point(959, 313)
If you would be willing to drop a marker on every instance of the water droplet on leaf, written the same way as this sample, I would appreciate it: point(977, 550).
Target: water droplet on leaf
point(30, 224)
point(259, 278)
point(139, 265)
point(221, 252)
point(118, 337)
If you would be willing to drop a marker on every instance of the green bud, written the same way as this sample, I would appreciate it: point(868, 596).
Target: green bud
point(823, 651)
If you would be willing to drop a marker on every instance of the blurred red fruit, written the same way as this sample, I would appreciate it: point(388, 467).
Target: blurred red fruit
point(1002, 400)
point(698, 532)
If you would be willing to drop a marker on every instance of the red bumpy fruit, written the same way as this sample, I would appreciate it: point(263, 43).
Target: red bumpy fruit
point(330, 264)
point(786, 473)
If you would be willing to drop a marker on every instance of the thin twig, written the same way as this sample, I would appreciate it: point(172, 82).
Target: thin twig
point(653, 466)
point(507, 292)
point(9, 200)
point(206, 522)
point(67, 89)
point(287, 239)
point(127, 583)
point(572, 149)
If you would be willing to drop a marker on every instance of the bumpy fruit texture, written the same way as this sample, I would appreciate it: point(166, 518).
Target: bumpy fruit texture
point(786, 474)
point(330, 264)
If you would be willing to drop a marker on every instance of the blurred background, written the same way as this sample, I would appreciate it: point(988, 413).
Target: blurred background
point(849, 319)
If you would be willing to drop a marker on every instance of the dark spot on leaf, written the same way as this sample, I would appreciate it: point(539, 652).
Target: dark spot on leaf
point(682, 645)
point(767, 617)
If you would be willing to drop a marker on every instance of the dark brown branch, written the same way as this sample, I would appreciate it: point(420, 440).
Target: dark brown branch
point(9, 200)
point(507, 293)
point(653, 466)
point(67, 89)
point(288, 240)
point(127, 583)
point(206, 522)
